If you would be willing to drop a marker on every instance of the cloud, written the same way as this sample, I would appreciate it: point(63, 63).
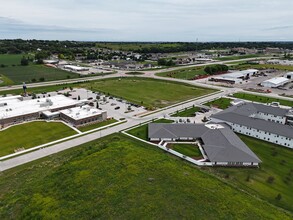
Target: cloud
point(148, 20)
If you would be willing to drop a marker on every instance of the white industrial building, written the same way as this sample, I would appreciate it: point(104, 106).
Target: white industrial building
point(83, 115)
point(272, 124)
point(235, 77)
point(275, 82)
point(76, 68)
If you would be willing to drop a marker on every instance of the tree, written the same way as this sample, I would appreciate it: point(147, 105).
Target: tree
point(162, 62)
point(34, 80)
point(42, 79)
point(24, 61)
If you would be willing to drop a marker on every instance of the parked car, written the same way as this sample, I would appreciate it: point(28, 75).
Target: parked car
point(116, 108)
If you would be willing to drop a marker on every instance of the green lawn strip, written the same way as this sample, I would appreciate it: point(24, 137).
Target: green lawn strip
point(276, 165)
point(262, 99)
point(186, 73)
point(117, 177)
point(190, 150)
point(142, 131)
point(20, 74)
point(263, 66)
point(97, 125)
point(32, 134)
point(151, 93)
point(221, 103)
point(189, 112)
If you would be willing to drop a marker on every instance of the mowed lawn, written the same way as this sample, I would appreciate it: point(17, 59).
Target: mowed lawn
point(190, 150)
point(277, 165)
point(148, 92)
point(186, 73)
point(221, 103)
point(19, 74)
point(120, 178)
point(262, 99)
point(32, 134)
point(188, 112)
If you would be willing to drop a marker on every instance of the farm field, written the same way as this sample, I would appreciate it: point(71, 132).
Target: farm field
point(189, 112)
point(142, 131)
point(262, 99)
point(221, 103)
point(32, 134)
point(120, 178)
point(147, 92)
point(275, 175)
point(11, 59)
point(186, 73)
point(33, 72)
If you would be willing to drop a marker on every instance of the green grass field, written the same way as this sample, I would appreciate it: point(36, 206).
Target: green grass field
point(4, 81)
point(263, 66)
point(190, 150)
point(120, 178)
point(134, 73)
point(32, 134)
point(11, 59)
point(19, 74)
point(262, 99)
point(276, 162)
point(186, 73)
point(142, 131)
point(189, 112)
point(97, 125)
point(221, 103)
point(147, 92)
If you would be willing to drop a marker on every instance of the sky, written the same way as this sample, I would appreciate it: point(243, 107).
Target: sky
point(147, 20)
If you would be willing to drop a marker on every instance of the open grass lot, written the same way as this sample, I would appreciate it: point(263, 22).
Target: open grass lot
point(142, 131)
point(276, 162)
point(189, 112)
point(239, 57)
point(32, 134)
point(186, 73)
point(263, 66)
point(97, 125)
point(134, 73)
point(262, 99)
point(19, 74)
point(11, 59)
point(190, 150)
point(148, 92)
point(4, 81)
point(120, 178)
point(221, 103)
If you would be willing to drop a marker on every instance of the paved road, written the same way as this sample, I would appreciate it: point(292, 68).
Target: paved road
point(10, 163)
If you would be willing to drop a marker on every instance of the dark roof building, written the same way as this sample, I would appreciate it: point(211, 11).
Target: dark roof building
point(221, 145)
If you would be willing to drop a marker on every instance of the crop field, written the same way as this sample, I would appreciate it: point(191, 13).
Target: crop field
point(120, 178)
point(221, 103)
point(186, 73)
point(32, 134)
point(10, 59)
point(262, 99)
point(275, 175)
point(148, 92)
point(19, 74)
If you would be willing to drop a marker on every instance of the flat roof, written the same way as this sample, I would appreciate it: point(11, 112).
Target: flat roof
point(239, 74)
point(277, 80)
point(16, 107)
point(82, 112)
